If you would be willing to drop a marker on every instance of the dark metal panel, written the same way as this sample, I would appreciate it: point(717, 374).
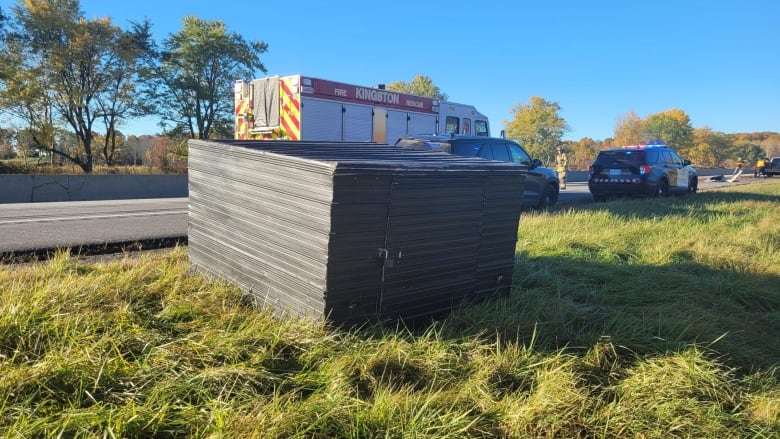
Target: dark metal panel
point(352, 231)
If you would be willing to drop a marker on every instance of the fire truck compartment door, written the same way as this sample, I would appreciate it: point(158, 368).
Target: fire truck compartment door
point(321, 120)
point(421, 124)
point(358, 121)
point(396, 125)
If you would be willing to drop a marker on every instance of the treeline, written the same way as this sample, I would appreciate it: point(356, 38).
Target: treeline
point(538, 126)
point(709, 149)
point(146, 153)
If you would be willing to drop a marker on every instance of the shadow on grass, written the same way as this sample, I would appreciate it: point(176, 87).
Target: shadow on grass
point(646, 310)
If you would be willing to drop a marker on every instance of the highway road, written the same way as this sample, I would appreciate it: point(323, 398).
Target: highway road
point(42, 226)
point(114, 224)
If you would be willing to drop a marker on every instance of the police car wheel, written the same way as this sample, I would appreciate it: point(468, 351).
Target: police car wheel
point(662, 190)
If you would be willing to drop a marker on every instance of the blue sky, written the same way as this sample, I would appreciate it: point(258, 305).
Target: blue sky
point(719, 61)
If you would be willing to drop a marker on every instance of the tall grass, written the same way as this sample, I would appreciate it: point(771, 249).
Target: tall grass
point(654, 318)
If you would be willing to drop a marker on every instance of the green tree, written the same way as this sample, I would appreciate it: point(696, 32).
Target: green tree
point(673, 127)
point(192, 87)
point(748, 151)
point(421, 85)
point(62, 68)
point(537, 126)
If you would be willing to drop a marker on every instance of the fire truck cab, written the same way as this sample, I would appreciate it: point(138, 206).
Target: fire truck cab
point(303, 108)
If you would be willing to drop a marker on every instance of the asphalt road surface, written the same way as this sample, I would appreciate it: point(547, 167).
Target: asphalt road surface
point(74, 224)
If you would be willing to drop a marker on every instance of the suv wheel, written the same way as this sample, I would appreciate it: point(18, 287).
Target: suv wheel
point(549, 197)
point(662, 190)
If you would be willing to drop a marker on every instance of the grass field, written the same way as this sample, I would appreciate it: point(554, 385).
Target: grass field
point(654, 318)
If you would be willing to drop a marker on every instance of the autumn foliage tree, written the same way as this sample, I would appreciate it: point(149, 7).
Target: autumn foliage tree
point(58, 68)
point(628, 129)
point(537, 126)
point(672, 127)
point(421, 85)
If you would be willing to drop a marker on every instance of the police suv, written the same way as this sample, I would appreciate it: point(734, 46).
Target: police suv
point(640, 170)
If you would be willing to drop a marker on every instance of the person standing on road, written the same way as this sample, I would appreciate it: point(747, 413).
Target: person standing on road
point(738, 169)
point(561, 163)
point(760, 165)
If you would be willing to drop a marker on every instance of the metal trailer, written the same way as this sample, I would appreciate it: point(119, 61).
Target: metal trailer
point(352, 232)
point(298, 107)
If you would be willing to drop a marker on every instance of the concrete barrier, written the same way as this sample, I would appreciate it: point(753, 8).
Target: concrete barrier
point(18, 188)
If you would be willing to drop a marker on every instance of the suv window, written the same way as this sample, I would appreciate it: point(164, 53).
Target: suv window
point(468, 149)
point(486, 152)
point(675, 158)
point(500, 152)
point(652, 157)
point(519, 156)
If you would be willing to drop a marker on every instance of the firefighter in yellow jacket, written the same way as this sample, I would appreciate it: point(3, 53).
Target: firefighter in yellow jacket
point(561, 163)
point(760, 166)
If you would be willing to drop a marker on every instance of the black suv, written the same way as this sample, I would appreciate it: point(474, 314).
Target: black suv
point(541, 184)
point(772, 167)
point(642, 170)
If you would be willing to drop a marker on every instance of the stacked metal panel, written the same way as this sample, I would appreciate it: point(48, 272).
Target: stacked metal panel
point(352, 231)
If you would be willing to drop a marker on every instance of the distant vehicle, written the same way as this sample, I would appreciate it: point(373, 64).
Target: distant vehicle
point(298, 107)
point(640, 170)
point(541, 184)
point(772, 167)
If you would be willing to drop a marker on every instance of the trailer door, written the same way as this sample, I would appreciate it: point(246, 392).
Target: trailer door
point(320, 120)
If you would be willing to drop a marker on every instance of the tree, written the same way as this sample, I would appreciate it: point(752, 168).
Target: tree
point(64, 66)
point(582, 153)
point(537, 126)
point(771, 145)
point(192, 87)
point(748, 151)
point(7, 138)
point(421, 85)
point(628, 129)
point(121, 98)
point(673, 127)
point(710, 148)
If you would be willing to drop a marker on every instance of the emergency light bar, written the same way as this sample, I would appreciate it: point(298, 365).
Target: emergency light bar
point(652, 145)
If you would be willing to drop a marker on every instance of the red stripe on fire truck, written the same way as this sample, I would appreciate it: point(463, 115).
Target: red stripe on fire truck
point(291, 114)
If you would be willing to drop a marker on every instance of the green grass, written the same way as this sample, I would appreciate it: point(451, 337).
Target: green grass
point(656, 318)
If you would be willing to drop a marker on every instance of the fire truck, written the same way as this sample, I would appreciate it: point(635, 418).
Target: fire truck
point(299, 107)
